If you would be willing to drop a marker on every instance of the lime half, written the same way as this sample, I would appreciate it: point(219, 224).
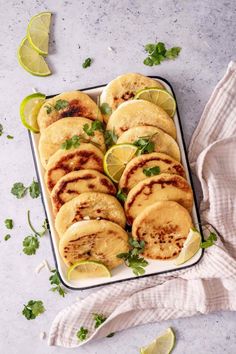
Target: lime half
point(161, 98)
point(162, 344)
point(29, 109)
point(31, 60)
point(116, 158)
point(87, 269)
point(190, 247)
point(38, 32)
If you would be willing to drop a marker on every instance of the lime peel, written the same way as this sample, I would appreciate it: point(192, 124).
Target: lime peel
point(97, 269)
point(163, 344)
point(38, 32)
point(29, 109)
point(190, 247)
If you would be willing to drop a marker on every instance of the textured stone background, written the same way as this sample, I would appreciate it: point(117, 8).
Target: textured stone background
point(206, 32)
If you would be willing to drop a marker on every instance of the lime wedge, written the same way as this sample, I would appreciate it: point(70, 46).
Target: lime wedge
point(31, 61)
point(161, 98)
point(38, 32)
point(190, 247)
point(163, 344)
point(116, 159)
point(29, 109)
point(87, 269)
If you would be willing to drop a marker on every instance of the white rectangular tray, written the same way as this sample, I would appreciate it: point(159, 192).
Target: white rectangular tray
point(120, 273)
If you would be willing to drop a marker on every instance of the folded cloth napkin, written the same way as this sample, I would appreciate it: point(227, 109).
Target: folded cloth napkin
point(206, 287)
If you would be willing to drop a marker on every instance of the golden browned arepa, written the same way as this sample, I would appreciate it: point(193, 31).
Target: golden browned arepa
point(162, 141)
point(124, 88)
point(163, 226)
point(86, 156)
point(136, 170)
point(157, 188)
point(77, 182)
point(90, 206)
point(56, 134)
point(68, 104)
point(138, 113)
point(95, 240)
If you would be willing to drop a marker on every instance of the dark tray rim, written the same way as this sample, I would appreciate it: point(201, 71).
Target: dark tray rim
point(191, 182)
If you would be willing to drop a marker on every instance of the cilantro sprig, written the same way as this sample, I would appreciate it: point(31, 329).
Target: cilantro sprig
point(82, 333)
point(19, 190)
point(33, 309)
point(121, 195)
point(210, 241)
point(106, 109)
point(110, 138)
point(7, 237)
point(99, 319)
point(132, 258)
point(9, 224)
point(55, 280)
point(60, 104)
point(30, 245)
point(152, 171)
point(44, 226)
point(157, 53)
point(75, 142)
point(145, 144)
point(96, 125)
point(87, 63)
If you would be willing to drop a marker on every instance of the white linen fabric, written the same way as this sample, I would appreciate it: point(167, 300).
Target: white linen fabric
point(208, 286)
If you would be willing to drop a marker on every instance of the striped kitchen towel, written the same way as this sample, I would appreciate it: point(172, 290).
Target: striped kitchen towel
point(206, 287)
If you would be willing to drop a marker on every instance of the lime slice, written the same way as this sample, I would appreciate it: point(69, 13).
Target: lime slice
point(29, 109)
point(38, 32)
point(190, 247)
point(116, 159)
point(161, 98)
point(162, 344)
point(31, 61)
point(87, 269)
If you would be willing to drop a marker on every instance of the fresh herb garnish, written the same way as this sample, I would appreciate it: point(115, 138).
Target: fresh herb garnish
point(152, 171)
point(121, 195)
point(34, 189)
point(19, 190)
point(87, 63)
point(30, 245)
point(75, 142)
point(33, 309)
point(10, 137)
point(110, 138)
point(158, 53)
point(55, 280)
point(132, 258)
point(210, 241)
point(82, 333)
point(96, 125)
point(106, 109)
point(44, 226)
point(6, 237)
point(1, 129)
point(99, 319)
point(61, 104)
point(145, 144)
point(9, 224)
point(49, 109)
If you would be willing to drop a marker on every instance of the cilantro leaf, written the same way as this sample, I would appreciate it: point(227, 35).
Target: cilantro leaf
point(1, 129)
point(73, 142)
point(82, 333)
point(6, 237)
point(55, 280)
point(110, 138)
point(34, 189)
point(145, 144)
point(87, 63)
point(106, 109)
point(19, 190)
point(99, 319)
point(33, 309)
point(210, 241)
point(44, 226)
point(61, 104)
point(10, 137)
point(121, 195)
point(9, 224)
point(96, 125)
point(49, 109)
point(157, 53)
point(30, 245)
point(152, 171)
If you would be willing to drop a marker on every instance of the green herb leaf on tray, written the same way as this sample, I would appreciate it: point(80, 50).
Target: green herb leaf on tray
point(10, 137)
point(33, 309)
point(30, 245)
point(9, 224)
point(96, 125)
point(55, 280)
point(145, 144)
point(121, 195)
point(152, 171)
point(110, 138)
point(34, 189)
point(82, 333)
point(49, 109)
point(106, 109)
point(73, 142)
point(61, 104)
point(99, 319)
point(87, 63)
point(1, 129)
point(157, 53)
point(6, 237)
point(19, 190)
point(44, 226)
point(210, 241)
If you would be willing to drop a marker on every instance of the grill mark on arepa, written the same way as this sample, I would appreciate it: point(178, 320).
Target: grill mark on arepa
point(75, 108)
